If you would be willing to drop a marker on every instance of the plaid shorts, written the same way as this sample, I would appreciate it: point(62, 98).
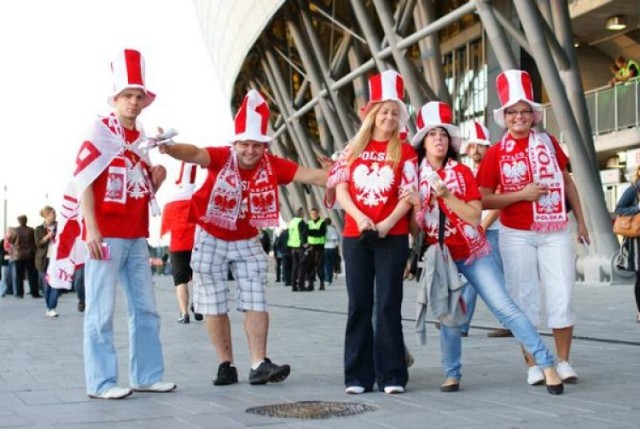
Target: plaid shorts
point(212, 258)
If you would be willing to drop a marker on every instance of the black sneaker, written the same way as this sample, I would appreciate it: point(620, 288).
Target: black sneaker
point(269, 372)
point(197, 316)
point(227, 374)
point(184, 319)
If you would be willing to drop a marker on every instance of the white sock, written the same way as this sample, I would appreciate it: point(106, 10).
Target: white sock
point(256, 365)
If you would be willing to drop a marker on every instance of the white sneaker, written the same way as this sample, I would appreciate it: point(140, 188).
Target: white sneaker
point(535, 376)
point(393, 389)
point(52, 313)
point(566, 373)
point(114, 392)
point(159, 387)
point(354, 390)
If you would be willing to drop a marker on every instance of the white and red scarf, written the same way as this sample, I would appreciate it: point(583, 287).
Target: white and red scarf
point(104, 144)
point(549, 212)
point(428, 218)
point(225, 202)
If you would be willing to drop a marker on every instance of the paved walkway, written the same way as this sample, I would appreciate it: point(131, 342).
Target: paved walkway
point(41, 373)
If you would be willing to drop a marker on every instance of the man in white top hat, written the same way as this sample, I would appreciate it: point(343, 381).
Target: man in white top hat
point(475, 148)
point(239, 196)
point(113, 186)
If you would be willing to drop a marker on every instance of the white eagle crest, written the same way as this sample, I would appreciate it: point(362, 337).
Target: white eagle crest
point(373, 183)
point(514, 173)
point(136, 184)
point(549, 203)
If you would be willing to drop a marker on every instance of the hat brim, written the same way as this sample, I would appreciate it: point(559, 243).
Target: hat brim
point(454, 135)
point(249, 136)
point(498, 114)
point(148, 99)
point(404, 112)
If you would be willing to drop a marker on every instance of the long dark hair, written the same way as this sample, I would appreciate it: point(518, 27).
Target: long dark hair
point(451, 152)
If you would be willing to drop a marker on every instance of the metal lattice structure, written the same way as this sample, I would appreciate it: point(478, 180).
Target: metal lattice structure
point(312, 60)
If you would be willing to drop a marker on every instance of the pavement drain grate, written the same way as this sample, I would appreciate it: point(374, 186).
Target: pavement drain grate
point(312, 409)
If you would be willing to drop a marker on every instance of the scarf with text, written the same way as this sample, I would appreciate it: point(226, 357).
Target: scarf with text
point(549, 212)
point(225, 202)
point(428, 218)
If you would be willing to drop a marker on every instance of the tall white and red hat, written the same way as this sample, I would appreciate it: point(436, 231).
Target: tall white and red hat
point(436, 114)
point(387, 86)
point(252, 119)
point(478, 134)
point(514, 86)
point(128, 71)
point(187, 175)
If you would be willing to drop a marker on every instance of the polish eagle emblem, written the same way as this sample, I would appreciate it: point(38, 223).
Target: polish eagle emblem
point(514, 173)
point(373, 183)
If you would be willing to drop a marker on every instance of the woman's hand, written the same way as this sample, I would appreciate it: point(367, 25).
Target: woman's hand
point(533, 192)
point(325, 162)
point(383, 228)
point(365, 223)
point(411, 197)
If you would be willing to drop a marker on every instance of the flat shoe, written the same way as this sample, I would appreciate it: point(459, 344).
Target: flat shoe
point(566, 373)
point(159, 387)
point(391, 390)
point(354, 390)
point(555, 389)
point(114, 392)
point(535, 376)
point(450, 385)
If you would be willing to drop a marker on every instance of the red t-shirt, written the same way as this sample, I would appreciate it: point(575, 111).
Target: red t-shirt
point(284, 170)
point(467, 191)
point(133, 222)
point(374, 185)
point(518, 215)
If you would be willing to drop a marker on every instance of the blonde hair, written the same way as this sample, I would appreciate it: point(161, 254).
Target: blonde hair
point(46, 210)
point(362, 138)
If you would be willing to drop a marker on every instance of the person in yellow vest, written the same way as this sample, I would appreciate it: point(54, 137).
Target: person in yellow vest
point(297, 242)
point(628, 69)
point(316, 231)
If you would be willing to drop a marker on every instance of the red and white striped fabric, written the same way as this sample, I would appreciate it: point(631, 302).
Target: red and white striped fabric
point(128, 72)
point(436, 114)
point(252, 119)
point(514, 86)
point(387, 86)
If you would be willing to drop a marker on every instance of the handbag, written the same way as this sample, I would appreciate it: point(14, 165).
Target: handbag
point(627, 226)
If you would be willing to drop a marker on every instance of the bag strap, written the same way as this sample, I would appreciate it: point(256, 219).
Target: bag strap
point(441, 228)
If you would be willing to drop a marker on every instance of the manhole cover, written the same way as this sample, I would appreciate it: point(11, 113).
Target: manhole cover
point(312, 409)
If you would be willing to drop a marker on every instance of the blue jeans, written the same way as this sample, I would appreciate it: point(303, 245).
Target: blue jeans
point(78, 282)
point(375, 355)
point(129, 265)
point(486, 277)
point(6, 284)
point(330, 261)
point(469, 293)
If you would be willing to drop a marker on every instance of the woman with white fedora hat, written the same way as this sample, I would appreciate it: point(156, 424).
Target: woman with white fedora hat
point(369, 176)
point(530, 169)
point(447, 191)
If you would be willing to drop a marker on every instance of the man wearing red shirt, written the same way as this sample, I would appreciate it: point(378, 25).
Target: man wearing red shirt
point(239, 196)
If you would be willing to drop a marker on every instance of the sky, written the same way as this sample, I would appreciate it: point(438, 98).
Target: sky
point(55, 78)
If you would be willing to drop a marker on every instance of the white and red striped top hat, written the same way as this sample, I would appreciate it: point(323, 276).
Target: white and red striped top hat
point(128, 72)
point(478, 134)
point(387, 86)
point(187, 175)
point(514, 86)
point(436, 114)
point(252, 119)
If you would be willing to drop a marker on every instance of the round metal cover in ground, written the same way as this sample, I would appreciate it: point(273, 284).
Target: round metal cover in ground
point(312, 409)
